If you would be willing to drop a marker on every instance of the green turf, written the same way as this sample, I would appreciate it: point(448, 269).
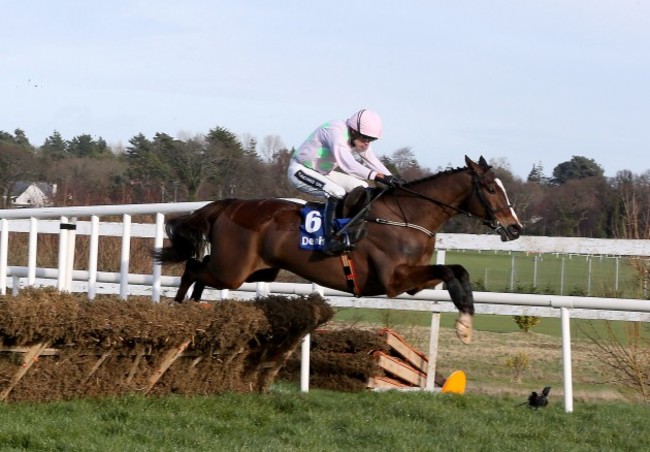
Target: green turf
point(285, 420)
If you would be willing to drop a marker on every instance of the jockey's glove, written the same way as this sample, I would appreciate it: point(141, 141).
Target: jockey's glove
point(390, 180)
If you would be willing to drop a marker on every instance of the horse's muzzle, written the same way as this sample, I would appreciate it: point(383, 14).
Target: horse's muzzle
point(510, 232)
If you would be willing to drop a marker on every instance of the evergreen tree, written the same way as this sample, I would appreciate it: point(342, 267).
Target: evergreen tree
point(21, 139)
point(536, 174)
point(86, 146)
point(577, 168)
point(54, 147)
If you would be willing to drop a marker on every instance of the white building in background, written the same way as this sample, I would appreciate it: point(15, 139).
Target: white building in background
point(32, 194)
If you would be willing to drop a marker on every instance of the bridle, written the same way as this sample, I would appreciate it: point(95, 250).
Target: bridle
point(492, 223)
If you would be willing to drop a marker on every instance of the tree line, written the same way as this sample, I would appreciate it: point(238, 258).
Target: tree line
point(576, 199)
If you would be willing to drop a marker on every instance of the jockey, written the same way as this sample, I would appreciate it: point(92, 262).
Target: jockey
point(333, 146)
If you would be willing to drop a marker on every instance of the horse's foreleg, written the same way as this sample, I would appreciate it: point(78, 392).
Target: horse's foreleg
point(462, 275)
point(466, 303)
point(461, 295)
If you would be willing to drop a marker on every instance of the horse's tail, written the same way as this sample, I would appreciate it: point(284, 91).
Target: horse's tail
point(189, 233)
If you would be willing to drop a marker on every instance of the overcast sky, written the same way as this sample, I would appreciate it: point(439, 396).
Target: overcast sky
point(526, 81)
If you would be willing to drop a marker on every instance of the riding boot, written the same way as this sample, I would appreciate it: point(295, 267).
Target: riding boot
point(332, 246)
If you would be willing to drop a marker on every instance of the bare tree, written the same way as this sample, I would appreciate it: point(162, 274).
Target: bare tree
point(406, 164)
point(81, 181)
point(271, 145)
point(626, 357)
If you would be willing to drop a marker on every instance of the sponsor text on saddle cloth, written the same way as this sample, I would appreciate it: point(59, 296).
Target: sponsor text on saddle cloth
point(311, 227)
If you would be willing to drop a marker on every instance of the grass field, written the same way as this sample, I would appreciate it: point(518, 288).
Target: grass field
point(285, 420)
point(550, 273)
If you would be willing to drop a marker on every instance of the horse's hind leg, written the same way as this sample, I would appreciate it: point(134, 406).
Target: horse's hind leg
point(264, 275)
point(190, 276)
point(202, 275)
point(199, 286)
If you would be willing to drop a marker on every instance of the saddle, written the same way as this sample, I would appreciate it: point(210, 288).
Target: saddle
point(352, 205)
point(349, 209)
point(354, 201)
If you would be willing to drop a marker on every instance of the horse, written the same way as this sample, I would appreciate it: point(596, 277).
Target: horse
point(251, 240)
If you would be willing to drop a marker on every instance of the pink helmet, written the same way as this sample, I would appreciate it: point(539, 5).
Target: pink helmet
point(366, 122)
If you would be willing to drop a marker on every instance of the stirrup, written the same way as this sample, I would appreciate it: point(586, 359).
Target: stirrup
point(335, 247)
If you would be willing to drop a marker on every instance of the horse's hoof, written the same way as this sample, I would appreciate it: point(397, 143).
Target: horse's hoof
point(464, 329)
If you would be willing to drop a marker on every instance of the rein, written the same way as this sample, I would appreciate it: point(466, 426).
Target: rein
point(492, 223)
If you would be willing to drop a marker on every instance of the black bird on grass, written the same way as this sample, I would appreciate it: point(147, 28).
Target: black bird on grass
point(539, 400)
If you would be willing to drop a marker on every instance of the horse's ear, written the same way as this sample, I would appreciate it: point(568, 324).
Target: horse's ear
point(471, 164)
point(483, 162)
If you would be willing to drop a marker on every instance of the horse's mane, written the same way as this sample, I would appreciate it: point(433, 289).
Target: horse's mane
point(433, 176)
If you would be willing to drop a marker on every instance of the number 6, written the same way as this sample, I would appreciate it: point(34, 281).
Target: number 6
point(313, 221)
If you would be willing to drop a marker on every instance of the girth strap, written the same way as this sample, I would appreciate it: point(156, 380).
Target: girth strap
point(350, 274)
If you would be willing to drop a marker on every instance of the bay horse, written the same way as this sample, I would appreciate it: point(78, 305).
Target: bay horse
point(252, 240)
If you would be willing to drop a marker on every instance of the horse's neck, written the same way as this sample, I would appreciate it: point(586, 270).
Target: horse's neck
point(446, 195)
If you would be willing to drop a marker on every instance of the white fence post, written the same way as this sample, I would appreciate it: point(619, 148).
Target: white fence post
point(63, 253)
point(304, 363)
point(262, 289)
point(32, 251)
point(124, 261)
point(71, 231)
point(566, 360)
point(433, 350)
point(304, 349)
point(157, 267)
point(434, 333)
point(93, 255)
point(441, 255)
point(562, 277)
point(589, 260)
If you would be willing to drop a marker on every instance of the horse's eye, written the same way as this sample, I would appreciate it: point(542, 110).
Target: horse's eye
point(491, 190)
